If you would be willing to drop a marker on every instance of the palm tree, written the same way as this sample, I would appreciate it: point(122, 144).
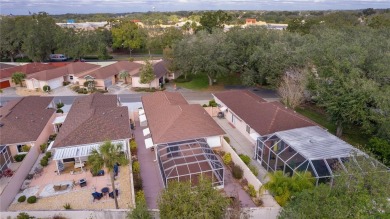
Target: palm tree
point(123, 75)
point(107, 156)
point(18, 77)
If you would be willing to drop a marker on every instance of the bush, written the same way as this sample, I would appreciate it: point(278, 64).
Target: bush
point(59, 111)
point(227, 158)
point(245, 158)
point(43, 147)
point(227, 139)
point(244, 182)
point(64, 83)
point(67, 206)
point(254, 170)
point(19, 157)
point(136, 167)
point(60, 105)
point(76, 88)
point(131, 59)
point(222, 153)
point(213, 103)
point(52, 137)
point(102, 91)
point(182, 79)
point(237, 172)
point(23, 215)
point(85, 91)
point(133, 147)
point(44, 162)
point(137, 182)
point(46, 88)
point(32, 199)
point(26, 148)
point(204, 105)
point(48, 154)
point(22, 198)
point(251, 190)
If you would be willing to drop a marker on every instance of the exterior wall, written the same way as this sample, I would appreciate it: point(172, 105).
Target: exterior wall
point(58, 81)
point(239, 123)
point(212, 111)
point(29, 84)
point(135, 83)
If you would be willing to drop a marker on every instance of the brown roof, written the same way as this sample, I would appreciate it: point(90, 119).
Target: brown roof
point(264, 117)
point(24, 119)
point(26, 69)
point(94, 118)
point(4, 66)
point(73, 68)
point(171, 118)
point(159, 69)
point(113, 69)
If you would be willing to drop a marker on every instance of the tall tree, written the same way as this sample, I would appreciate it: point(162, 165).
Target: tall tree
point(18, 78)
point(211, 20)
point(108, 155)
point(183, 200)
point(292, 87)
point(127, 34)
point(11, 37)
point(147, 73)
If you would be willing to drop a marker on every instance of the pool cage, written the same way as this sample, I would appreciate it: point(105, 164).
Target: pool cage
point(188, 161)
point(308, 149)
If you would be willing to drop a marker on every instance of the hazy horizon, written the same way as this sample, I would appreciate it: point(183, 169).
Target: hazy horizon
point(55, 7)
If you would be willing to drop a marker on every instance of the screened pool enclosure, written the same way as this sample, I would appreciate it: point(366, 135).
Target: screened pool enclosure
point(188, 161)
point(307, 149)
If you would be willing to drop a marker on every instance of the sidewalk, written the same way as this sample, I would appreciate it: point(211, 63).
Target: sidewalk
point(242, 146)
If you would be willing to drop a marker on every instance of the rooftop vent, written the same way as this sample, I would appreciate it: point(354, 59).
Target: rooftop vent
point(1, 124)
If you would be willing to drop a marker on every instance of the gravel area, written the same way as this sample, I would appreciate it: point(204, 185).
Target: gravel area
point(81, 199)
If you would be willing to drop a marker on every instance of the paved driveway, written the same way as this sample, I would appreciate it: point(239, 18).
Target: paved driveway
point(63, 91)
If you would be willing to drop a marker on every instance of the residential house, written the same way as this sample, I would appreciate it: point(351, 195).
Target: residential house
point(4, 66)
point(6, 74)
point(183, 136)
point(57, 76)
point(254, 117)
point(25, 124)
point(91, 121)
point(160, 71)
point(109, 75)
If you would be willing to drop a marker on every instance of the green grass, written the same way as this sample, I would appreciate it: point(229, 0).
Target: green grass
point(232, 79)
point(353, 135)
point(198, 82)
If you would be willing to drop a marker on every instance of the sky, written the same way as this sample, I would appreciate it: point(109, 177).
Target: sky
point(22, 7)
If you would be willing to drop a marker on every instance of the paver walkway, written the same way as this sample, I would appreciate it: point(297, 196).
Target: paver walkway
point(242, 145)
point(152, 182)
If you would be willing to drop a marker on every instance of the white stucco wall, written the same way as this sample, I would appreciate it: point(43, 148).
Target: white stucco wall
point(135, 82)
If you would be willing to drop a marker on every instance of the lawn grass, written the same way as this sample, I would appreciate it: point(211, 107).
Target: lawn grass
point(353, 135)
point(198, 82)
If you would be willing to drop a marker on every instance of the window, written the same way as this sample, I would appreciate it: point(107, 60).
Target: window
point(20, 148)
point(70, 77)
point(248, 129)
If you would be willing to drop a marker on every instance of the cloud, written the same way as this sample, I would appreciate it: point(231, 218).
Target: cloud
point(118, 6)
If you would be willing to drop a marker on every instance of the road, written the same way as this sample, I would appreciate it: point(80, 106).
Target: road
point(193, 97)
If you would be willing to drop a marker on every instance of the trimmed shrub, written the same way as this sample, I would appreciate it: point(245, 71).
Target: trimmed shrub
point(48, 154)
point(227, 158)
point(254, 170)
point(60, 105)
point(204, 105)
point(213, 103)
point(24, 215)
point(26, 148)
point(46, 88)
point(22, 198)
point(59, 111)
point(44, 162)
point(222, 153)
point(245, 158)
point(251, 190)
point(136, 167)
point(85, 91)
point(32, 199)
point(76, 88)
point(19, 157)
point(43, 147)
point(137, 182)
point(131, 59)
point(237, 172)
point(227, 139)
point(52, 137)
point(64, 83)
point(133, 147)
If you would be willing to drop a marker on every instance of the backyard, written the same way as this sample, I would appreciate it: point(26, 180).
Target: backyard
point(78, 197)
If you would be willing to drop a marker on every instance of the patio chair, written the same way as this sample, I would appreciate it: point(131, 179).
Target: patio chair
point(97, 195)
point(111, 194)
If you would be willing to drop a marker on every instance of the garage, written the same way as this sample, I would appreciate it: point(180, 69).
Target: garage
point(107, 82)
point(5, 84)
point(55, 83)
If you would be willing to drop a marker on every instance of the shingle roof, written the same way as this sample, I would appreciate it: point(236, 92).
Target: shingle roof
point(24, 119)
point(113, 69)
point(26, 69)
point(170, 118)
point(73, 68)
point(4, 66)
point(264, 117)
point(159, 69)
point(94, 118)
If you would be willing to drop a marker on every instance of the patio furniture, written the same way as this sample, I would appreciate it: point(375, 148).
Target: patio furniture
point(38, 172)
point(111, 194)
point(97, 195)
point(105, 190)
point(98, 173)
point(220, 115)
point(78, 165)
point(82, 182)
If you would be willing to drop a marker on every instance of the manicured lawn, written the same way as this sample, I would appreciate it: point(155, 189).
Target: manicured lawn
point(198, 82)
point(352, 135)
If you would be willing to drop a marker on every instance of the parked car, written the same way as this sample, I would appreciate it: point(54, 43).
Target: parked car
point(58, 57)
